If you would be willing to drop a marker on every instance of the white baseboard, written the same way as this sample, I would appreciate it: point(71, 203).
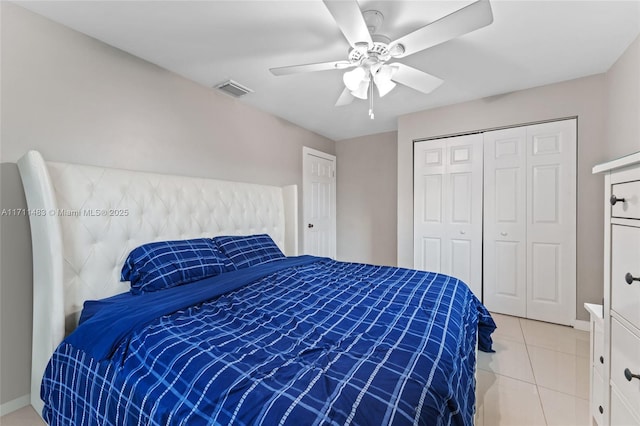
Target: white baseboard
point(14, 405)
point(581, 325)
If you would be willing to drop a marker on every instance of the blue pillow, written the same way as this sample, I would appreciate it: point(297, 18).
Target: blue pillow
point(165, 264)
point(249, 250)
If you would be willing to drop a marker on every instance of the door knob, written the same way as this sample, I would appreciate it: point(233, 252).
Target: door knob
point(310, 225)
point(504, 234)
point(629, 375)
point(462, 232)
point(630, 278)
point(613, 200)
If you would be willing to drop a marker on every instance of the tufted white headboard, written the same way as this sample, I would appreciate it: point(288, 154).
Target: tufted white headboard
point(85, 220)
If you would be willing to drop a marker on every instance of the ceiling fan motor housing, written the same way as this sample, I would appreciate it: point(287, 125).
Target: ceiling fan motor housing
point(378, 51)
point(373, 19)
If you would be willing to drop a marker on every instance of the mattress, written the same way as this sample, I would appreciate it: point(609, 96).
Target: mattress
point(296, 341)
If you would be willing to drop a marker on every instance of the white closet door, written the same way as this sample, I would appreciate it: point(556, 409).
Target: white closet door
point(530, 221)
point(551, 217)
point(448, 208)
point(429, 188)
point(505, 259)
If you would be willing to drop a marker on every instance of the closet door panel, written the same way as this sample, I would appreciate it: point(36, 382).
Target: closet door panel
point(431, 254)
point(545, 275)
point(461, 257)
point(432, 194)
point(507, 185)
point(448, 208)
point(430, 187)
point(545, 197)
point(464, 209)
point(505, 221)
point(506, 271)
point(551, 217)
point(461, 198)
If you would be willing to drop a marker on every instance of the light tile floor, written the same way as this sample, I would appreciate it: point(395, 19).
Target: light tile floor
point(538, 376)
point(23, 417)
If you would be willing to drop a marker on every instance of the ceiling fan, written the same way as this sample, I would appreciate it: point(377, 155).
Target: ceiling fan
point(370, 52)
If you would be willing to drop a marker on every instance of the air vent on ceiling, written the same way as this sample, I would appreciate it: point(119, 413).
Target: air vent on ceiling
point(233, 88)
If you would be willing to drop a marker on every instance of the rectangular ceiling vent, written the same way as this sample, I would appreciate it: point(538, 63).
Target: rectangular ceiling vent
point(233, 88)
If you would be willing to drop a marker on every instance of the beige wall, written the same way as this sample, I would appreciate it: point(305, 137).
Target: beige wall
point(78, 100)
point(366, 198)
point(584, 98)
point(623, 104)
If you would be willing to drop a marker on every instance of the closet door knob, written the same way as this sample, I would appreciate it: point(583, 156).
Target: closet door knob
point(462, 232)
point(629, 375)
point(504, 234)
point(310, 225)
point(613, 200)
point(630, 278)
point(601, 360)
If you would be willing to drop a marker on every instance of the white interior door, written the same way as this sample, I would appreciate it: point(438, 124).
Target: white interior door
point(551, 218)
point(319, 209)
point(505, 221)
point(448, 208)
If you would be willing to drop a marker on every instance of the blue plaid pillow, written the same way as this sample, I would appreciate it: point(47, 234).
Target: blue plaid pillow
point(165, 264)
point(249, 250)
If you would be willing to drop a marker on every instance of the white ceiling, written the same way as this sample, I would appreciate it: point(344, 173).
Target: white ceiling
point(530, 43)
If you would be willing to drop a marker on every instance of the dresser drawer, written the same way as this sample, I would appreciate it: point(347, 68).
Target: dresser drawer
point(597, 398)
point(625, 354)
point(598, 348)
point(625, 266)
point(620, 413)
point(630, 207)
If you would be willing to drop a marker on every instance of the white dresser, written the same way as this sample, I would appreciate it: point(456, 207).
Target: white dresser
point(620, 398)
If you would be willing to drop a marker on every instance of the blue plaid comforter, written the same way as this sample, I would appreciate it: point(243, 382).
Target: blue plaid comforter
point(299, 341)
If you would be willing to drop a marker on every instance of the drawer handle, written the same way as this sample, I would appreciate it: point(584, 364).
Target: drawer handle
point(629, 375)
point(630, 278)
point(613, 200)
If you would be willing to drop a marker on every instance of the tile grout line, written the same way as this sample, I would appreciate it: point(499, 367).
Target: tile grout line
point(563, 393)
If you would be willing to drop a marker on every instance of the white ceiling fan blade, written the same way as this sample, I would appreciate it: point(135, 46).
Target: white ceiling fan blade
point(321, 66)
point(345, 98)
point(469, 18)
point(415, 79)
point(349, 18)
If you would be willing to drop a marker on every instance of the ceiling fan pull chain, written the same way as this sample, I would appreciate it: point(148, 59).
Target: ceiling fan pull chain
point(371, 101)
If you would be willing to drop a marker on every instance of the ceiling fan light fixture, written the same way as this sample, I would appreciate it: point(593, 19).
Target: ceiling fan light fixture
point(385, 87)
point(384, 74)
point(382, 79)
point(353, 79)
point(361, 91)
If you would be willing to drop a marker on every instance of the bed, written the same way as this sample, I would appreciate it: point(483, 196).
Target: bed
point(282, 339)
